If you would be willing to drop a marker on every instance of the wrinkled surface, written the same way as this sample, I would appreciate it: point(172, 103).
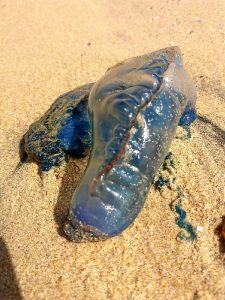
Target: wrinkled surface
point(135, 109)
point(63, 130)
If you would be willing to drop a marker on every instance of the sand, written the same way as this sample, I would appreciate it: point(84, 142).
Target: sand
point(50, 47)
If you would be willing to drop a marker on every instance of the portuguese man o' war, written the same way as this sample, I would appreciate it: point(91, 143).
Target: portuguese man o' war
point(133, 112)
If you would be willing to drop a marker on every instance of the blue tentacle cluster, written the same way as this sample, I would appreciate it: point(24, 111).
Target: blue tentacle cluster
point(167, 178)
point(182, 223)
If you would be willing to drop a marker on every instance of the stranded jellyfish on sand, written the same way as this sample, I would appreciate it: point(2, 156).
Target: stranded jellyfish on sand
point(128, 119)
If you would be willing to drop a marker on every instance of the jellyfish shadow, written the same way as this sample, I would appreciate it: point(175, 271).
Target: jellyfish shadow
point(9, 288)
point(219, 133)
point(72, 175)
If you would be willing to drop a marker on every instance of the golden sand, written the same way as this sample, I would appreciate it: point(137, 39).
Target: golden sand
point(49, 47)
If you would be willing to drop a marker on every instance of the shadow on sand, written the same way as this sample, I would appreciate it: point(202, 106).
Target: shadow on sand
point(219, 133)
point(9, 289)
point(72, 175)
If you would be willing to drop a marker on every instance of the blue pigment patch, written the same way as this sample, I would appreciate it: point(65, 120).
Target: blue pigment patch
point(188, 117)
point(182, 223)
point(161, 182)
point(75, 134)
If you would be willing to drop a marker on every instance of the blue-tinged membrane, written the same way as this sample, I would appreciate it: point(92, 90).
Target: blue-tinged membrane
point(129, 121)
point(135, 109)
point(75, 130)
point(188, 116)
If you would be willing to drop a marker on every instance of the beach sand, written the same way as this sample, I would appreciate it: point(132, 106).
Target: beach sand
point(50, 47)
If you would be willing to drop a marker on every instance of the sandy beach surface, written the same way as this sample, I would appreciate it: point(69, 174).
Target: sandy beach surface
point(48, 47)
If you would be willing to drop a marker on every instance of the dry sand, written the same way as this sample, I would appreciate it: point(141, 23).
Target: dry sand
point(49, 47)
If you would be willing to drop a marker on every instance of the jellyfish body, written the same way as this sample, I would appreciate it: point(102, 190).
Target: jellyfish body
point(134, 110)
